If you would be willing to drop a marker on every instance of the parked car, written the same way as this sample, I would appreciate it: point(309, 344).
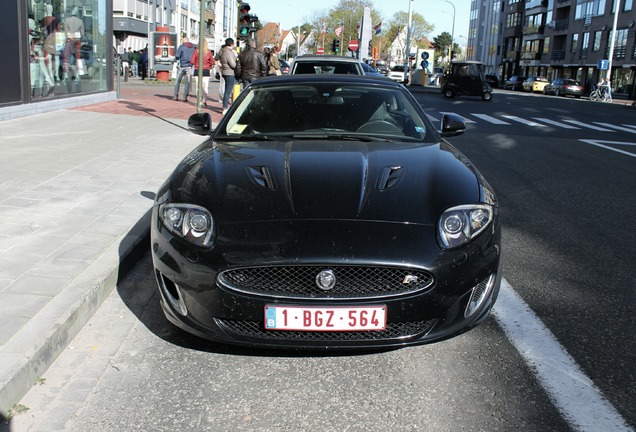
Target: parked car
point(397, 73)
point(564, 87)
point(492, 80)
point(514, 83)
point(381, 67)
point(273, 233)
point(326, 64)
point(370, 70)
point(535, 84)
point(284, 67)
point(465, 78)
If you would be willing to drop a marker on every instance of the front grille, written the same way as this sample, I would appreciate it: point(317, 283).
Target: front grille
point(396, 330)
point(300, 281)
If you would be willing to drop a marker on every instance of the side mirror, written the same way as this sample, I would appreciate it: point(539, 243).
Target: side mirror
point(200, 123)
point(452, 125)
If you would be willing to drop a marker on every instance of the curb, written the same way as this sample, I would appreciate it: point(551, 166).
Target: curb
point(79, 300)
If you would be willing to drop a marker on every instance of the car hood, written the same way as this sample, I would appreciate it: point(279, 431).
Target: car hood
point(259, 181)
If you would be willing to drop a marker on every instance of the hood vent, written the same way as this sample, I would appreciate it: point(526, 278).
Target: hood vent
point(390, 176)
point(262, 177)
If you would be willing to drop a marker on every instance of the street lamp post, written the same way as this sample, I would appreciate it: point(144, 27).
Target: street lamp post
point(453, 30)
point(408, 42)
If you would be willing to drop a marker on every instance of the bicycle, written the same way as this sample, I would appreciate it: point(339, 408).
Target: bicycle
point(601, 93)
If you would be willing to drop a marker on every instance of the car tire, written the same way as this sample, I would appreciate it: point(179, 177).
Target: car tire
point(449, 93)
point(487, 96)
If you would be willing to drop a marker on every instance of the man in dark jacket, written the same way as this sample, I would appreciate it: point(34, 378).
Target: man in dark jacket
point(183, 56)
point(252, 64)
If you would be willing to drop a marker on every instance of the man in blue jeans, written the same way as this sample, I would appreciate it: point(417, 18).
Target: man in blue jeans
point(183, 56)
point(228, 67)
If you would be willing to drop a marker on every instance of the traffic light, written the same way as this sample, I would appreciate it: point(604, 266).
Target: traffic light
point(336, 45)
point(244, 20)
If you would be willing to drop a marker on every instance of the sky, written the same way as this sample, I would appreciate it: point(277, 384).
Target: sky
point(437, 12)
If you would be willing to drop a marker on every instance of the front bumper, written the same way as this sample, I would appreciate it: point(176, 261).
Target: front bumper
point(195, 298)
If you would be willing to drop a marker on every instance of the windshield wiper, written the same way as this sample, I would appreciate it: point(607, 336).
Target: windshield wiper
point(342, 136)
point(248, 137)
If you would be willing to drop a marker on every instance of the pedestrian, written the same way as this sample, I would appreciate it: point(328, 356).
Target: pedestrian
point(202, 51)
point(143, 64)
point(252, 64)
point(134, 58)
point(229, 64)
point(125, 62)
point(184, 55)
point(273, 63)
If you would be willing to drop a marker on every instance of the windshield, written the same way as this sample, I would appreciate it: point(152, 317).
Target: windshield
point(303, 111)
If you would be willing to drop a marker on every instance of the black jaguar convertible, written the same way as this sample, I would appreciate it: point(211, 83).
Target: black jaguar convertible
point(326, 212)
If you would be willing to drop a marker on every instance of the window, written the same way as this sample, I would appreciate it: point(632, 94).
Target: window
point(575, 42)
point(596, 44)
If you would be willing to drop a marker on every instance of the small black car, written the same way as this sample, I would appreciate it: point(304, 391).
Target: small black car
point(514, 83)
point(466, 78)
point(326, 211)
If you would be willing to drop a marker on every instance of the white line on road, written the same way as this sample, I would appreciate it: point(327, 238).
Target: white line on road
point(620, 128)
point(574, 394)
point(524, 121)
point(599, 143)
point(589, 126)
point(490, 119)
point(555, 123)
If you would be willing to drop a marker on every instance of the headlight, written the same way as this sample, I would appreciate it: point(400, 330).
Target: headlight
point(190, 222)
point(458, 225)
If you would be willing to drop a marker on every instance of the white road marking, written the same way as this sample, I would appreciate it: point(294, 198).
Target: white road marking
point(600, 143)
point(524, 121)
point(589, 126)
point(620, 128)
point(555, 123)
point(576, 397)
point(490, 119)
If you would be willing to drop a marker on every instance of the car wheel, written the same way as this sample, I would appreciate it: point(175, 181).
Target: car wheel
point(487, 96)
point(449, 93)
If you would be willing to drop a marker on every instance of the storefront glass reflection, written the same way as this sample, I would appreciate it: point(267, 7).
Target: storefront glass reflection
point(67, 47)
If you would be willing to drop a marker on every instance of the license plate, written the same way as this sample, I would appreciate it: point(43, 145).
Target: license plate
point(325, 318)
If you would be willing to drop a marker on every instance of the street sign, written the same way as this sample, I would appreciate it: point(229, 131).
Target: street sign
point(424, 64)
point(353, 45)
point(320, 51)
point(424, 55)
point(603, 64)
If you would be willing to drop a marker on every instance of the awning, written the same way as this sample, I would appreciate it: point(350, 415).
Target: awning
point(137, 43)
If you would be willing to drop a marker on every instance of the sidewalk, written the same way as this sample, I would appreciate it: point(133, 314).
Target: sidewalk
point(76, 189)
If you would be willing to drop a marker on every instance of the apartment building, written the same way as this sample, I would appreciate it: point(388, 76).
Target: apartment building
point(557, 38)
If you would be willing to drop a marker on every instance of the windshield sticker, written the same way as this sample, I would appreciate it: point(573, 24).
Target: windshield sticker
point(237, 129)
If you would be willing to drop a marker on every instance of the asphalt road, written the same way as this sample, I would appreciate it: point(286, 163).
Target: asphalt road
point(569, 244)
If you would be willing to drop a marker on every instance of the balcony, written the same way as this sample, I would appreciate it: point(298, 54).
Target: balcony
point(619, 52)
point(557, 55)
point(532, 29)
point(530, 55)
point(561, 25)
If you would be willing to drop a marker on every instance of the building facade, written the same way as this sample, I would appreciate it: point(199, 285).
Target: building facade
point(59, 54)
point(560, 38)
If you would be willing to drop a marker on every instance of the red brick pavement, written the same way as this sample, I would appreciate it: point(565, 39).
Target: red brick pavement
point(153, 99)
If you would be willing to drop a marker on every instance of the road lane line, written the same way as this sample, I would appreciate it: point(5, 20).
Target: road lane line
point(599, 143)
point(576, 397)
point(524, 121)
point(620, 128)
point(589, 126)
point(555, 123)
point(490, 119)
